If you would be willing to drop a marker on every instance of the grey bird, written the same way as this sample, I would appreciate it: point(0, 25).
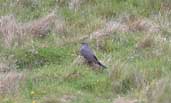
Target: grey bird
point(88, 54)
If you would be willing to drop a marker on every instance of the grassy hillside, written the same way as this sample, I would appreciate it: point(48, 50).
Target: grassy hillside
point(40, 42)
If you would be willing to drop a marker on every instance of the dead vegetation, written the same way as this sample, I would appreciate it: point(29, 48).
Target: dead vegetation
point(43, 25)
point(159, 91)
point(12, 32)
point(146, 42)
point(9, 82)
point(126, 24)
point(15, 33)
point(75, 4)
point(66, 98)
point(140, 24)
point(124, 100)
point(9, 78)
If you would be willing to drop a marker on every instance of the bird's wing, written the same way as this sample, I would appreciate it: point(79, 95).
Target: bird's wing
point(86, 50)
point(89, 50)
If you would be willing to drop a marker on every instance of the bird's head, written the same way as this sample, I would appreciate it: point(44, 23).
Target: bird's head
point(83, 43)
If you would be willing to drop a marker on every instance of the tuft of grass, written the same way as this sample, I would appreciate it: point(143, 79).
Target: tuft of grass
point(126, 79)
point(158, 91)
point(9, 83)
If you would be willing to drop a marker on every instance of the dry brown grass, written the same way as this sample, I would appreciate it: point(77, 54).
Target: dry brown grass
point(140, 24)
point(164, 20)
point(15, 33)
point(11, 31)
point(146, 42)
point(66, 98)
point(43, 25)
point(9, 82)
point(159, 91)
point(109, 28)
point(75, 4)
point(126, 24)
point(124, 100)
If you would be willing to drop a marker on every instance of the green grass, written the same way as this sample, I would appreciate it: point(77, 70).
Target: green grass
point(51, 77)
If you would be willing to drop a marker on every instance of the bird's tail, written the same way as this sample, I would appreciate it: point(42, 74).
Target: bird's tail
point(101, 65)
